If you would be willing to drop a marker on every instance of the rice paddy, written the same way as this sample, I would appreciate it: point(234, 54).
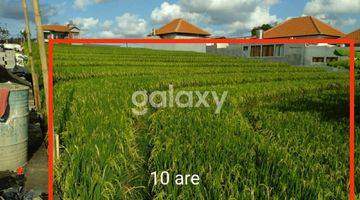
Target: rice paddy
point(282, 132)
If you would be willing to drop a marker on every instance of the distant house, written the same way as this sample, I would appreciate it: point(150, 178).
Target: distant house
point(60, 31)
point(355, 35)
point(303, 27)
point(178, 28)
point(294, 54)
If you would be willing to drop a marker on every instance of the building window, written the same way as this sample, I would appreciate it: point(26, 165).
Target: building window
point(245, 48)
point(255, 51)
point(47, 35)
point(318, 59)
point(279, 50)
point(330, 59)
point(268, 50)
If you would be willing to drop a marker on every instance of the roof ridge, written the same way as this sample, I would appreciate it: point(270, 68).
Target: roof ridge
point(178, 25)
point(354, 31)
point(277, 25)
point(315, 25)
point(304, 16)
point(328, 25)
point(302, 26)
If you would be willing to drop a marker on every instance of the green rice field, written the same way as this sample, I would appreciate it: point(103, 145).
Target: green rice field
point(282, 132)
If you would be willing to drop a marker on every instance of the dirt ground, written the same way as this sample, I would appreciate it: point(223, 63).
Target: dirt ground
point(37, 172)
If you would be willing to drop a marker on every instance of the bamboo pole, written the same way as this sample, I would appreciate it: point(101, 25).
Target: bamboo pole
point(43, 59)
point(57, 147)
point(33, 72)
point(42, 52)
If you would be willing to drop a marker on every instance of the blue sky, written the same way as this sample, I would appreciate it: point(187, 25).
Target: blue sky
point(136, 18)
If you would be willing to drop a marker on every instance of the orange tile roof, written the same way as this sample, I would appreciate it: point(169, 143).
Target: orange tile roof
point(355, 35)
point(57, 28)
point(302, 26)
point(180, 26)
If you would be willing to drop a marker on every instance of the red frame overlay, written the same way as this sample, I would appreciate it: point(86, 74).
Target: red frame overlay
point(349, 42)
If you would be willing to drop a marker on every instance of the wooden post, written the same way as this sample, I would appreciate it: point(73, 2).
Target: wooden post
point(57, 147)
point(34, 76)
point(43, 59)
point(42, 52)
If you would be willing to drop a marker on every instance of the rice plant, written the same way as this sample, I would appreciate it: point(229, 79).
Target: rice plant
point(282, 133)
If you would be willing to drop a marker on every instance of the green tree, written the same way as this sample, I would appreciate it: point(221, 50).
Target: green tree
point(22, 34)
point(263, 27)
point(4, 33)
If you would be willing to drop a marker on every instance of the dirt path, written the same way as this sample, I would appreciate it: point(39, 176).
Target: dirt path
point(37, 171)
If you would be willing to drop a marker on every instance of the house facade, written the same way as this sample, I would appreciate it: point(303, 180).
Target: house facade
point(179, 28)
point(60, 31)
point(294, 54)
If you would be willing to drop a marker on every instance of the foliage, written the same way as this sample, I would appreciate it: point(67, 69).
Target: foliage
point(345, 52)
point(22, 34)
point(4, 33)
point(345, 64)
point(264, 27)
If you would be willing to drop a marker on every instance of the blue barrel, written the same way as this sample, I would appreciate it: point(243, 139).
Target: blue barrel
point(14, 128)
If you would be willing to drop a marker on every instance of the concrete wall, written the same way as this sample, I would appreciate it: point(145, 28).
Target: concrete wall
point(231, 50)
point(318, 51)
point(294, 54)
point(178, 47)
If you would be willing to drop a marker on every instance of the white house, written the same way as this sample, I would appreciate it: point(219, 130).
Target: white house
point(60, 31)
point(179, 29)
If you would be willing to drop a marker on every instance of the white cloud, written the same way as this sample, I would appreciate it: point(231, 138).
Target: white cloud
point(167, 12)
point(11, 9)
point(126, 25)
point(86, 23)
point(235, 16)
point(226, 11)
point(271, 2)
point(349, 22)
point(107, 34)
point(258, 17)
point(333, 11)
point(82, 4)
point(129, 25)
point(215, 32)
point(107, 24)
point(101, 1)
point(314, 7)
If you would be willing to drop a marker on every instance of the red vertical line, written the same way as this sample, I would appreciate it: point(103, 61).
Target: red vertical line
point(50, 121)
point(352, 121)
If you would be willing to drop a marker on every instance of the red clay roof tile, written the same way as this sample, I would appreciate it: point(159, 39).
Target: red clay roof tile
point(302, 26)
point(57, 28)
point(180, 26)
point(355, 35)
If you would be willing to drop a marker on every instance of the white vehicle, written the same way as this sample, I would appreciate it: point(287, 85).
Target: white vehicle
point(16, 47)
